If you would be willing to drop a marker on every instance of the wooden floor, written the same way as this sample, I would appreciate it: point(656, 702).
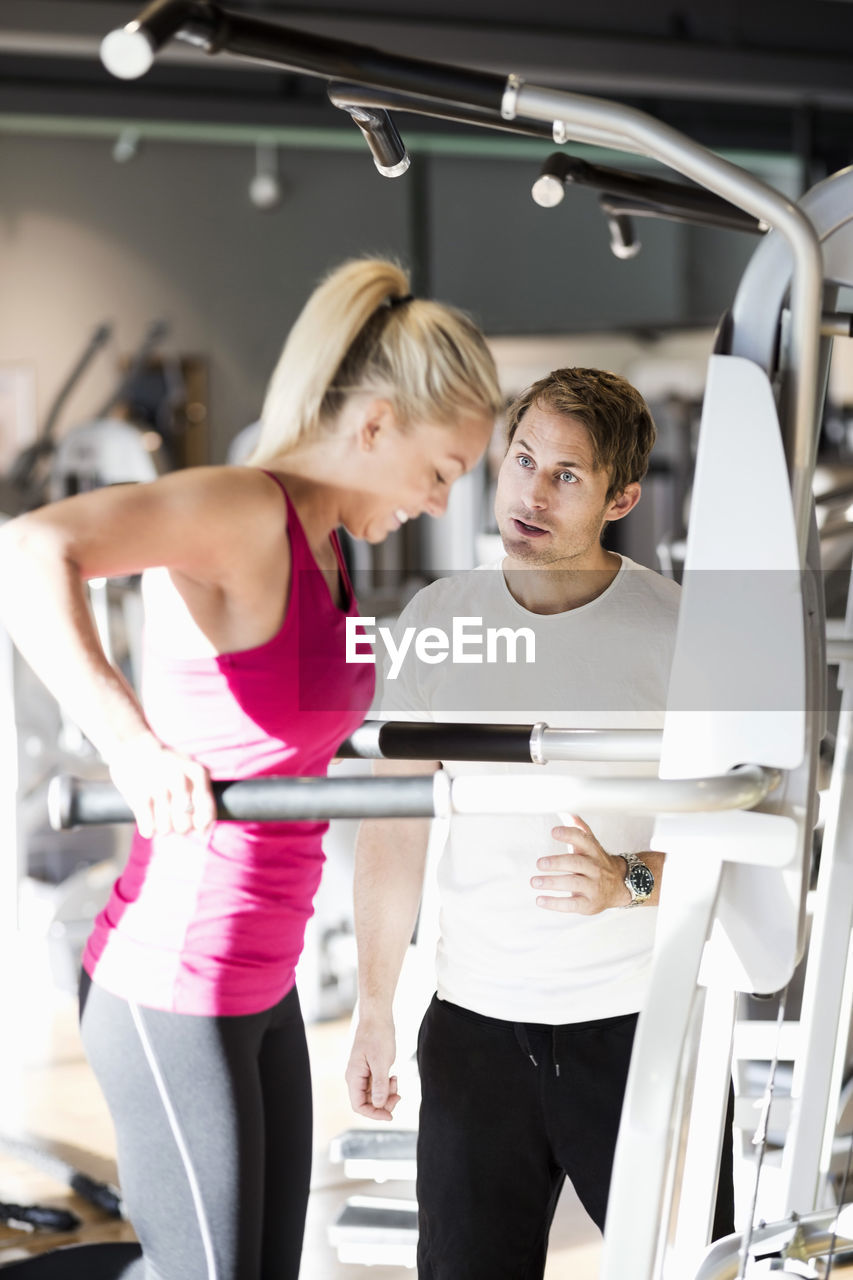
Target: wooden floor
point(48, 1094)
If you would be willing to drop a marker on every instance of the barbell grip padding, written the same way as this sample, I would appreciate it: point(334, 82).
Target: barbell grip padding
point(73, 802)
point(428, 740)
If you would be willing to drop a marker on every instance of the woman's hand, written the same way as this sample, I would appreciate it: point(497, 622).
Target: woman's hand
point(168, 792)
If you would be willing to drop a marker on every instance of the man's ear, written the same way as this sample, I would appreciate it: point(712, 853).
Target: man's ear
point(624, 501)
point(377, 419)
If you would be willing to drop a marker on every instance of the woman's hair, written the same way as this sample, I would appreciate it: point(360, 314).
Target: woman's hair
point(362, 331)
point(614, 413)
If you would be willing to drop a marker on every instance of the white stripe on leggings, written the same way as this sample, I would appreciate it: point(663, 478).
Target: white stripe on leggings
point(195, 1189)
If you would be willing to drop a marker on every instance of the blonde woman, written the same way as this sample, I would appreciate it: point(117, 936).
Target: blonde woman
point(190, 1017)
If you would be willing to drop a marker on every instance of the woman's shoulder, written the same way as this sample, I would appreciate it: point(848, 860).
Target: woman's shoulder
point(228, 517)
point(239, 479)
point(226, 495)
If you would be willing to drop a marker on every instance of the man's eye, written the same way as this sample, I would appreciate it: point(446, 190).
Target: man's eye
point(524, 461)
point(569, 477)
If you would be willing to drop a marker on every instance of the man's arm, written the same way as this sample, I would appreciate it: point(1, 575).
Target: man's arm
point(594, 878)
point(390, 857)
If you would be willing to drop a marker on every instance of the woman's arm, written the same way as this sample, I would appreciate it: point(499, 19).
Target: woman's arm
point(211, 527)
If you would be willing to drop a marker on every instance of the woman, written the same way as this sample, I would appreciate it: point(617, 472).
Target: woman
point(189, 1013)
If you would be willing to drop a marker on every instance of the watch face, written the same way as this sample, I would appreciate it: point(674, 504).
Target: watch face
point(642, 880)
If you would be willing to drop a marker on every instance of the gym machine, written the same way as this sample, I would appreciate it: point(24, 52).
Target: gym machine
point(73, 803)
point(751, 591)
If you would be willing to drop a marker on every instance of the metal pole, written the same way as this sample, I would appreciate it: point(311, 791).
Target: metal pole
point(73, 802)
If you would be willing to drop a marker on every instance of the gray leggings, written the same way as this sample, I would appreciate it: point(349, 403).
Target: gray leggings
point(213, 1125)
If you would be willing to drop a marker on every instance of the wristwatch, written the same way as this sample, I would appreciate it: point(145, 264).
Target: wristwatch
point(639, 880)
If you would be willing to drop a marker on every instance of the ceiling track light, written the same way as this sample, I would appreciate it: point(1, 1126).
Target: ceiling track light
point(265, 187)
point(126, 146)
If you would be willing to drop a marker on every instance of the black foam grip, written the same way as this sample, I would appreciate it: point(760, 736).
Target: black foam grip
point(425, 740)
point(334, 59)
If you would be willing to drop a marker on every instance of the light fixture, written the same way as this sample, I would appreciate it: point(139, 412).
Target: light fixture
point(265, 188)
point(126, 146)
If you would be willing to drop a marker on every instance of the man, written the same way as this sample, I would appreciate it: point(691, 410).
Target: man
point(544, 949)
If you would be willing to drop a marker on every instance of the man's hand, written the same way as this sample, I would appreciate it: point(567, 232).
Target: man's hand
point(372, 1089)
point(594, 878)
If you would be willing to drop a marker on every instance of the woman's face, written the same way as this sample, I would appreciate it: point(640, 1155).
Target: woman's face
point(407, 472)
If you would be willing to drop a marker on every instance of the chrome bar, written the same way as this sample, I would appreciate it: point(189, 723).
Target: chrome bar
point(594, 137)
point(799, 1237)
point(743, 788)
point(836, 324)
point(601, 744)
point(73, 802)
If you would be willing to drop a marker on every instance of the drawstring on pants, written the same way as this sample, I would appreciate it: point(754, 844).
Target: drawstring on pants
point(523, 1039)
point(521, 1035)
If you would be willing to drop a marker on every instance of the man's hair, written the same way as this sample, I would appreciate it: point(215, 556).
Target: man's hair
point(614, 413)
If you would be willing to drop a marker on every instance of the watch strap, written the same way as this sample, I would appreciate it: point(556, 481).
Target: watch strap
point(633, 860)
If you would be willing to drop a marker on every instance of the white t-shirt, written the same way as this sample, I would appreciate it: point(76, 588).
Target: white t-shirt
point(602, 665)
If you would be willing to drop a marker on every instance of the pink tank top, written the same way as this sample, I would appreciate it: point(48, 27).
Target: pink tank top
point(214, 924)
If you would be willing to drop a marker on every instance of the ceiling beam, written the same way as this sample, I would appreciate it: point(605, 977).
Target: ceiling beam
point(621, 65)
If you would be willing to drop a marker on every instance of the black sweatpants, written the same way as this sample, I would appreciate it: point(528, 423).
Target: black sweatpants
point(213, 1125)
point(508, 1111)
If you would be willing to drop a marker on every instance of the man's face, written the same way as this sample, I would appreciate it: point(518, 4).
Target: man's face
point(551, 504)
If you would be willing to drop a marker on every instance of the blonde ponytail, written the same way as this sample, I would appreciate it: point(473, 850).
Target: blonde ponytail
point(361, 330)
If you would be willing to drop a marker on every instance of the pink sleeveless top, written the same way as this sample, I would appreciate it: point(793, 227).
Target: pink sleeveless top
point(214, 924)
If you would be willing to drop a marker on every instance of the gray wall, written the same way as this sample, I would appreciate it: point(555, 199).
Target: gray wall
point(173, 234)
point(531, 270)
